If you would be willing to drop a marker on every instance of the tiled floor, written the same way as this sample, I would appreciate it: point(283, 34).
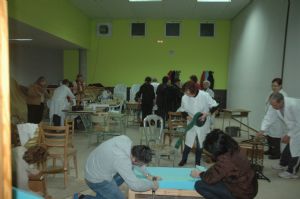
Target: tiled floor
point(278, 188)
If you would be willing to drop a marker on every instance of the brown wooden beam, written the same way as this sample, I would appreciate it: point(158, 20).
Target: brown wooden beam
point(5, 147)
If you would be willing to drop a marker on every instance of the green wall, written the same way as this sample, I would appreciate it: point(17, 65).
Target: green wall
point(57, 17)
point(71, 64)
point(125, 59)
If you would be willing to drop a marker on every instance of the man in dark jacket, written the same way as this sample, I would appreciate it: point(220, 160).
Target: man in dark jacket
point(146, 95)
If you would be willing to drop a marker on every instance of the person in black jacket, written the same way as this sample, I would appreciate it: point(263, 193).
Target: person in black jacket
point(146, 95)
point(160, 98)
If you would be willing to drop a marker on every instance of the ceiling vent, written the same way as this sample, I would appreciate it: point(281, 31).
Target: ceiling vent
point(104, 29)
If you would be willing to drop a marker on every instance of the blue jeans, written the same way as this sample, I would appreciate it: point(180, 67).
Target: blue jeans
point(106, 189)
point(213, 191)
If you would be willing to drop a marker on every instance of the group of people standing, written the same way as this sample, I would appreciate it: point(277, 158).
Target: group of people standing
point(167, 97)
point(189, 100)
point(64, 95)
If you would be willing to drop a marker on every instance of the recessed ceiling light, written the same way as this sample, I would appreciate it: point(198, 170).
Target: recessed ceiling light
point(214, 0)
point(144, 0)
point(20, 39)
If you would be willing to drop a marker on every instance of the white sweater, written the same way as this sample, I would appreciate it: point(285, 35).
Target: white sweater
point(111, 157)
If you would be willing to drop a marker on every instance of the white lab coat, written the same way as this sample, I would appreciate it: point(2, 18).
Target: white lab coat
point(278, 128)
point(60, 102)
point(291, 117)
point(192, 105)
point(210, 92)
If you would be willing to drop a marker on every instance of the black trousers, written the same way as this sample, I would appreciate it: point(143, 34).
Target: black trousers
point(274, 146)
point(286, 159)
point(35, 113)
point(146, 110)
point(213, 191)
point(187, 150)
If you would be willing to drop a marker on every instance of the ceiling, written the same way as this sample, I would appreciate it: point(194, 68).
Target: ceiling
point(19, 30)
point(116, 9)
point(167, 9)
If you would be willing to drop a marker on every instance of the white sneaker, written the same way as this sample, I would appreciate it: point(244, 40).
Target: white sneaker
point(278, 167)
point(287, 175)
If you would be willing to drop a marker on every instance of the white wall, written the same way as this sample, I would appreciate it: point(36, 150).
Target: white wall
point(257, 39)
point(292, 61)
point(27, 63)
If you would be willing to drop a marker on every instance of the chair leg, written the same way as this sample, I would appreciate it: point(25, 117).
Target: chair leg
point(75, 164)
point(53, 165)
point(68, 166)
point(174, 159)
point(65, 177)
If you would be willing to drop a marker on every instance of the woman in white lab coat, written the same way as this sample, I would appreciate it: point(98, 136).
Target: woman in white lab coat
point(288, 110)
point(194, 101)
point(60, 102)
point(277, 129)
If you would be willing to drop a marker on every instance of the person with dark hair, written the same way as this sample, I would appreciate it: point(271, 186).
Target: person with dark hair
point(288, 110)
point(59, 102)
point(276, 131)
point(146, 95)
point(161, 97)
point(231, 177)
point(36, 95)
point(111, 164)
point(193, 102)
point(177, 94)
point(194, 79)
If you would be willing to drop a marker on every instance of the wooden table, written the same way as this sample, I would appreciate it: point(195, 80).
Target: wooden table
point(237, 114)
point(176, 182)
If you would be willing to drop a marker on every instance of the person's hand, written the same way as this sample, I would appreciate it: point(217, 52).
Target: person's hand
point(204, 115)
point(260, 134)
point(285, 139)
point(149, 177)
point(195, 173)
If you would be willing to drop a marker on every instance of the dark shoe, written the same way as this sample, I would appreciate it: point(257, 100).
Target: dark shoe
point(267, 152)
point(181, 163)
point(274, 157)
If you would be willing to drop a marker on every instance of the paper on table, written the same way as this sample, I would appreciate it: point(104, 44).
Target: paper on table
point(172, 178)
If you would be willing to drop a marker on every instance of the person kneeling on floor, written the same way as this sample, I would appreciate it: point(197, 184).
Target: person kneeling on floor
point(111, 164)
point(231, 177)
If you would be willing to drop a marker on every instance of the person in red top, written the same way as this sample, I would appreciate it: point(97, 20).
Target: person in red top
point(231, 177)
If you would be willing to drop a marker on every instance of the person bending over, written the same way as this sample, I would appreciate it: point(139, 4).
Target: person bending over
point(111, 164)
point(231, 177)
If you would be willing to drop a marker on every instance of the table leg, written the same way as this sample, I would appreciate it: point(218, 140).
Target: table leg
point(131, 194)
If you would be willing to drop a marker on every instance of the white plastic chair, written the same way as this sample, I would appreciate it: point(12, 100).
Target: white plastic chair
point(153, 133)
point(120, 91)
point(133, 90)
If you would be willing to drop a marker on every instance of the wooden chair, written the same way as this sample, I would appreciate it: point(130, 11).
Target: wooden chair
point(153, 132)
point(176, 127)
point(100, 126)
point(69, 122)
point(56, 139)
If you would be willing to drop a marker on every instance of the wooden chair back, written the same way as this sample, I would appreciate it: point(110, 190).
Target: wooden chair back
point(176, 121)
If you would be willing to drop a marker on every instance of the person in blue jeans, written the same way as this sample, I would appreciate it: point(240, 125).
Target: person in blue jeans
point(111, 164)
point(231, 177)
